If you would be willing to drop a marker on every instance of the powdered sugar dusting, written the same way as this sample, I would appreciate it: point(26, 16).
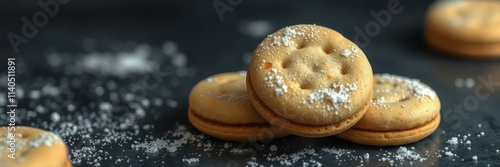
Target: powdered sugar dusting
point(381, 101)
point(210, 79)
point(403, 153)
point(413, 85)
point(273, 80)
point(182, 136)
point(337, 96)
point(349, 51)
point(286, 38)
point(45, 139)
point(345, 53)
point(453, 140)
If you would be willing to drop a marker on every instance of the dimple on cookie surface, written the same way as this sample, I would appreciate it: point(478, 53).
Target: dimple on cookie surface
point(311, 75)
point(33, 147)
point(399, 103)
point(223, 98)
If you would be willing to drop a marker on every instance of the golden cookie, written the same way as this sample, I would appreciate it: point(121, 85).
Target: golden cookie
point(32, 147)
point(402, 111)
point(465, 28)
point(310, 80)
point(219, 107)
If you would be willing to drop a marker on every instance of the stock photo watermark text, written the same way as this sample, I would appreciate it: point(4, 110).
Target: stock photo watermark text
point(11, 106)
point(29, 29)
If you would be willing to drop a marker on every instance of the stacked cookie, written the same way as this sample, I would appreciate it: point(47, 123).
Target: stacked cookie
point(310, 81)
point(28, 146)
point(465, 28)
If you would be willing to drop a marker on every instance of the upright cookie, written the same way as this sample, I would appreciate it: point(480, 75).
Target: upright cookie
point(402, 111)
point(28, 147)
point(465, 28)
point(219, 107)
point(310, 80)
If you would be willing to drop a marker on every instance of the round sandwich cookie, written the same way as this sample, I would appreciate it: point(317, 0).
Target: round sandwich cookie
point(219, 107)
point(464, 28)
point(22, 146)
point(310, 80)
point(402, 111)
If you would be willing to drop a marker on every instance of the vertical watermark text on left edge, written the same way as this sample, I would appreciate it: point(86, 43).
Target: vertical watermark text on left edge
point(11, 106)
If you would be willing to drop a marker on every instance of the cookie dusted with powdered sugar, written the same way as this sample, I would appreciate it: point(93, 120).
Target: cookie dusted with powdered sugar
point(219, 106)
point(32, 147)
point(310, 80)
point(464, 28)
point(402, 111)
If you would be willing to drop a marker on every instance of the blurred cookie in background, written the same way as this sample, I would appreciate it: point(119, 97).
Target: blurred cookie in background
point(464, 28)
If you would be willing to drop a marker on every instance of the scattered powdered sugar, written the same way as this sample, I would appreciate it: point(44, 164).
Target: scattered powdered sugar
point(241, 151)
point(190, 160)
point(140, 112)
point(349, 51)
point(337, 95)
point(182, 137)
point(453, 141)
point(404, 153)
point(381, 101)
point(105, 106)
point(273, 80)
point(55, 117)
point(274, 148)
point(210, 79)
point(286, 38)
point(45, 139)
point(366, 156)
point(474, 158)
point(406, 83)
point(346, 52)
point(290, 159)
point(449, 154)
